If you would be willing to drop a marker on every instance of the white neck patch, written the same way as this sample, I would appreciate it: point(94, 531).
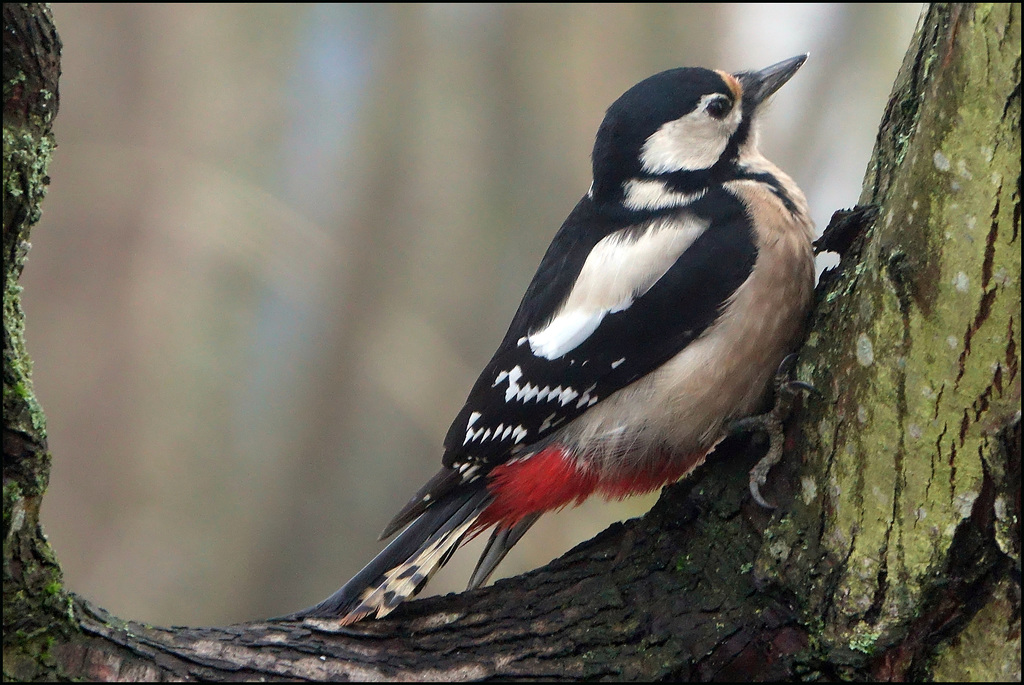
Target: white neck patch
point(650, 194)
point(692, 142)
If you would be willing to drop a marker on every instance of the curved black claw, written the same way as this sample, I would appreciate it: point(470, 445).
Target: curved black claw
point(786, 366)
point(785, 384)
point(794, 386)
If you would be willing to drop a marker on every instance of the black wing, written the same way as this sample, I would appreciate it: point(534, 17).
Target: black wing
point(521, 397)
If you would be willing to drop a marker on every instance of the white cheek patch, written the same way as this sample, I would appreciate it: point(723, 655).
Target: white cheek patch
point(690, 143)
point(620, 268)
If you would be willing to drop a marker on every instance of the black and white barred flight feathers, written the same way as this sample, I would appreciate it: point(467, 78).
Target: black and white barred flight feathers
point(657, 316)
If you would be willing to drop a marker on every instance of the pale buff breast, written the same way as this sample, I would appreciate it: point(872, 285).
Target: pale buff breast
point(684, 406)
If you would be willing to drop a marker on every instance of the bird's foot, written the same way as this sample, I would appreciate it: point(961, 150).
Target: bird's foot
point(771, 423)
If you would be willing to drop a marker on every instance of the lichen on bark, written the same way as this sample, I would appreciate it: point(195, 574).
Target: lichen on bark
point(915, 344)
point(36, 607)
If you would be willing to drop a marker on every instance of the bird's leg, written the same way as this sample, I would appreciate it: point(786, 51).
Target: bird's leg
point(786, 390)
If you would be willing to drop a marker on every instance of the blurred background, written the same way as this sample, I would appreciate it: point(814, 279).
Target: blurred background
point(281, 241)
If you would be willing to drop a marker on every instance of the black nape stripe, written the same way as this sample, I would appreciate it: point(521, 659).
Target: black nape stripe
point(706, 179)
point(773, 183)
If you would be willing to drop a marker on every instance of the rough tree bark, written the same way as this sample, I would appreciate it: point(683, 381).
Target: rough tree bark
point(894, 552)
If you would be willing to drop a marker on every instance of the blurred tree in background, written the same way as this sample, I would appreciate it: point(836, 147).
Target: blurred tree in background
point(281, 241)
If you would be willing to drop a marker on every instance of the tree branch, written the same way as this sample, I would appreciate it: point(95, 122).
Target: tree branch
point(669, 596)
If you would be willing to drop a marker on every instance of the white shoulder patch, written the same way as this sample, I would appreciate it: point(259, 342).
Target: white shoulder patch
point(565, 332)
point(621, 268)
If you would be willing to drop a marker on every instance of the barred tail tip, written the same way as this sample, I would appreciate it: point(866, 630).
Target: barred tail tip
point(512, 499)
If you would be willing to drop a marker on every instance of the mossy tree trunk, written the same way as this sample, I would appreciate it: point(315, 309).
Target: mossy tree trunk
point(33, 595)
point(893, 554)
point(909, 503)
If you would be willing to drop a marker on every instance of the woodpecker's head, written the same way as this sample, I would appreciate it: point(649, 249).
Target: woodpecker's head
point(686, 125)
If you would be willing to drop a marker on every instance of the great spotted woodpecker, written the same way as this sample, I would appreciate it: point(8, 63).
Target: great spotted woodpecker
point(659, 313)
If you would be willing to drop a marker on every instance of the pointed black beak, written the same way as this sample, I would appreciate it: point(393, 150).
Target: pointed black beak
point(758, 86)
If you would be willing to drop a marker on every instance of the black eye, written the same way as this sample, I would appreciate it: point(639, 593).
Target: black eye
point(718, 107)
